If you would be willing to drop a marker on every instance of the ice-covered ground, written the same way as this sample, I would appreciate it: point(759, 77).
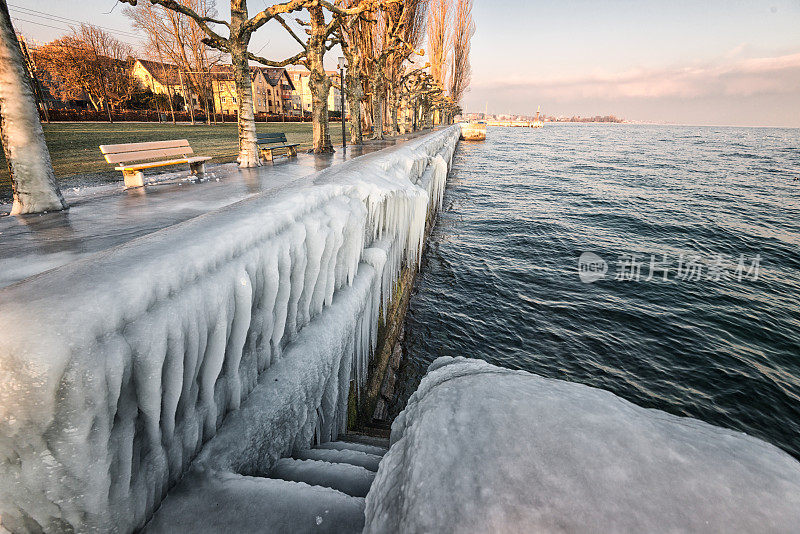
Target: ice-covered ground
point(230, 339)
point(485, 449)
point(103, 215)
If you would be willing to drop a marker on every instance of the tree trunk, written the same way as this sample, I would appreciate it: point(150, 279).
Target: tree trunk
point(32, 177)
point(355, 96)
point(377, 106)
point(94, 104)
point(394, 108)
point(171, 104)
point(187, 103)
point(248, 150)
point(318, 82)
point(366, 114)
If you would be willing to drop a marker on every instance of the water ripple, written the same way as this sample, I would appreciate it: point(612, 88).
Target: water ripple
point(499, 280)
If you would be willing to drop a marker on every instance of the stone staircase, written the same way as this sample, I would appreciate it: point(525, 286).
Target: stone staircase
point(343, 466)
point(321, 489)
point(336, 468)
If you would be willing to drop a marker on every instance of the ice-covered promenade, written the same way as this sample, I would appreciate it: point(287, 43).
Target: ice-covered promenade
point(192, 358)
point(102, 216)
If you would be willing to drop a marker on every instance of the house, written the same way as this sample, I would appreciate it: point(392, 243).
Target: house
point(272, 90)
point(301, 97)
point(164, 79)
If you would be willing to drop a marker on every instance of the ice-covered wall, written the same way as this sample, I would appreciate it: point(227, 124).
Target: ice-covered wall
point(481, 449)
point(115, 370)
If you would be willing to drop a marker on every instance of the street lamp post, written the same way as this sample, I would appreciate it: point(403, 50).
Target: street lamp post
point(342, 66)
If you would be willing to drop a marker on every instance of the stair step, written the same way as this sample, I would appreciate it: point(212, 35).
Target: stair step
point(348, 445)
point(367, 439)
point(226, 502)
point(350, 479)
point(363, 459)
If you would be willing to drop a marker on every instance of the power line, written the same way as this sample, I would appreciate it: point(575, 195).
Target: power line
point(38, 23)
point(58, 18)
point(137, 49)
point(64, 20)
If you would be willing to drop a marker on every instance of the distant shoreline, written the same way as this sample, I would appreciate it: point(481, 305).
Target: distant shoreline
point(639, 123)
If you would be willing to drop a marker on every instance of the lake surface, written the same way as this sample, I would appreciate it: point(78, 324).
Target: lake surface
point(716, 209)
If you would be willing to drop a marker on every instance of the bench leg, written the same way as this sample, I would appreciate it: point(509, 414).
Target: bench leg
point(133, 178)
point(293, 151)
point(197, 169)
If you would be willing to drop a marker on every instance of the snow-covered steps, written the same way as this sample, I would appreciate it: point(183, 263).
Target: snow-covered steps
point(318, 490)
point(344, 466)
point(349, 445)
point(382, 442)
point(227, 503)
point(350, 479)
point(345, 456)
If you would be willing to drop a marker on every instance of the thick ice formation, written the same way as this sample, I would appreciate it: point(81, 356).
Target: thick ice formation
point(116, 369)
point(485, 449)
point(239, 504)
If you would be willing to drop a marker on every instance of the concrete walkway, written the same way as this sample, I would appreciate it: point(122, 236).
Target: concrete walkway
point(103, 217)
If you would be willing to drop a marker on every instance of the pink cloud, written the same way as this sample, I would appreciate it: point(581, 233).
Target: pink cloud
point(727, 76)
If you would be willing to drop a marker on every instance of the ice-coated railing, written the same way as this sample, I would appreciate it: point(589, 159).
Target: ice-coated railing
point(231, 338)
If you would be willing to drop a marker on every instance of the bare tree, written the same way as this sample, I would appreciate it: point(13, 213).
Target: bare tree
point(312, 57)
point(411, 31)
point(322, 37)
point(391, 39)
point(439, 39)
point(348, 34)
point(240, 30)
point(463, 30)
point(89, 63)
point(178, 39)
point(32, 177)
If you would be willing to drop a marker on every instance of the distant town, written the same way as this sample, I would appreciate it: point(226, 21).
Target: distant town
point(543, 118)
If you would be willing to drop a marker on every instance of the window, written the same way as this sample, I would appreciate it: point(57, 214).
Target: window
point(222, 99)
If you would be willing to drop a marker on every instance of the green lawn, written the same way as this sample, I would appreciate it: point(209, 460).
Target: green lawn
point(74, 146)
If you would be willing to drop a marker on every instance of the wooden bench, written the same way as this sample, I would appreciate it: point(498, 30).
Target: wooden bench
point(129, 153)
point(268, 145)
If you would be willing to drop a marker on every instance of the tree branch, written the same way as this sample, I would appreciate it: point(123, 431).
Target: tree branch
point(290, 30)
point(297, 58)
point(199, 19)
point(278, 9)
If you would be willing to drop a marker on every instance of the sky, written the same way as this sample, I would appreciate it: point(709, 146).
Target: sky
point(688, 62)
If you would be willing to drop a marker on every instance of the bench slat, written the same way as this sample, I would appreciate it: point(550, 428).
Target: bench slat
point(276, 147)
point(140, 155)
point(154, 164)
point(262, 139)
point(137, 147)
